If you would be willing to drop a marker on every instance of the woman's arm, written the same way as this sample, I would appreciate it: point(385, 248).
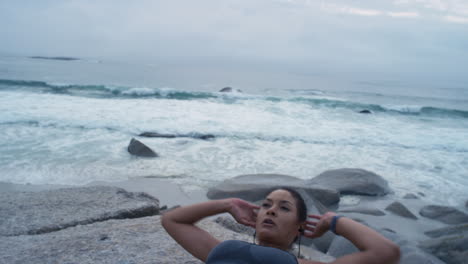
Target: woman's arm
point(180, 223)
point(374, 248)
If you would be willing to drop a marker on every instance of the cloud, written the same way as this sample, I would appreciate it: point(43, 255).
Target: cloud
point(404, 14)
point(457, 19)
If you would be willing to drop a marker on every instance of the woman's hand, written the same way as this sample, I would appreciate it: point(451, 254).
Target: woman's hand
point(244, 212)
point(318, 225)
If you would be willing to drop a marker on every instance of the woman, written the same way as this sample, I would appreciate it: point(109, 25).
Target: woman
point(278, 222)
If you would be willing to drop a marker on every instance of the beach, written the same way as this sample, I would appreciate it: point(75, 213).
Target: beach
point(66, 126)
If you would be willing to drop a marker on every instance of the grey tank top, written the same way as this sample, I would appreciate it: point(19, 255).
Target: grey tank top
point(240, 252)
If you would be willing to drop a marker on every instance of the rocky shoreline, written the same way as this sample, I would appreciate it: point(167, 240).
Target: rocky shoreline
point(120, 222)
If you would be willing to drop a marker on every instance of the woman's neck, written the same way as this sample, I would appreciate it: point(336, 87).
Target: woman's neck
point(273, 245)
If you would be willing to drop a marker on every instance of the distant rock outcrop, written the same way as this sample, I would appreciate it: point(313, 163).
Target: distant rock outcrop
point(54, 58)
point(229, 90)
point(139, 149)
point(352, 181)
point(365, 111)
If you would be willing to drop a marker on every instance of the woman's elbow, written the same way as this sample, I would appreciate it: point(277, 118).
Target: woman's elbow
point(392, 253)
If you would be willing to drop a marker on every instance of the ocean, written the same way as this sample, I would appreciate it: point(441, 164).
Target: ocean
point(70, 122)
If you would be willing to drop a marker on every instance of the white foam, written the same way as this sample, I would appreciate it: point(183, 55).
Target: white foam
point(78, 140)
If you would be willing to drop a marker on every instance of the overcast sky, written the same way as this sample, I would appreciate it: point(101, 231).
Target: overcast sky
point(430, 34)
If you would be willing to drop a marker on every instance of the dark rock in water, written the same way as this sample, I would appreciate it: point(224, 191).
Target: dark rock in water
point(399, 209)
point(190, 135)
point(54, 58)
point(340, 246)
point(229, 90)
point(47, 211)
point(449, 230)
point(155, 134)
point(255, 187)
point(421, 194)
point(352, 181)
point(444, 214)
point(451, 248)
point(410, 196)
point(361, 210)
point(139, 149)
point(365, 111)
point(201, 136)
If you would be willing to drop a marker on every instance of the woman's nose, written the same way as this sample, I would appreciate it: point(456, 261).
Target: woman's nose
point(271, 211)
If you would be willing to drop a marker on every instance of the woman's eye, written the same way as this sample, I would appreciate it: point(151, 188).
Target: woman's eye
point(265, 205)
point(284, 208)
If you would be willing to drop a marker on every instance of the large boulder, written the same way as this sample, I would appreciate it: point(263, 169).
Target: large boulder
point(401, 210)
point(47, 211)
point(254, 187)
point(445, 214)
point(352, 181)
point(139, 149)
point(453, 249)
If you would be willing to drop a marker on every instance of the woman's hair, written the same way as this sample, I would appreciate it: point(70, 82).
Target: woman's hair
point(300, 204)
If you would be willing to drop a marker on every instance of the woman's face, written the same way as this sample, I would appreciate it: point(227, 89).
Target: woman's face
point(277, 221)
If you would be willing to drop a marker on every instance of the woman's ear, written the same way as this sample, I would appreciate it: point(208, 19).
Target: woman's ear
point(301, 230)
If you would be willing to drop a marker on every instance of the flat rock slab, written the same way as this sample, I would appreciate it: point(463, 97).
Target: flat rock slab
point(352, 181)
point(47, 211)
point(255, 187)
point(141, 240)
point(444, 214)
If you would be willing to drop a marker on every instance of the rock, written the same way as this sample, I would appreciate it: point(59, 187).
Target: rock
point(231, 224)
point(47, 211)
point(416, 256)
point(444, 214)
point(139, 149)
point(352, 181)
point(156, 134)
point(191, 135)
point(365, 111)
point(54, 58)
point(229, 90)
point(141, 240)
point(410, 196)
point(340, 246)
point(321, 243)
point(362, 210)
point(254, 187)
point(449, 230)
point(451, 248)
point(399, 209)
